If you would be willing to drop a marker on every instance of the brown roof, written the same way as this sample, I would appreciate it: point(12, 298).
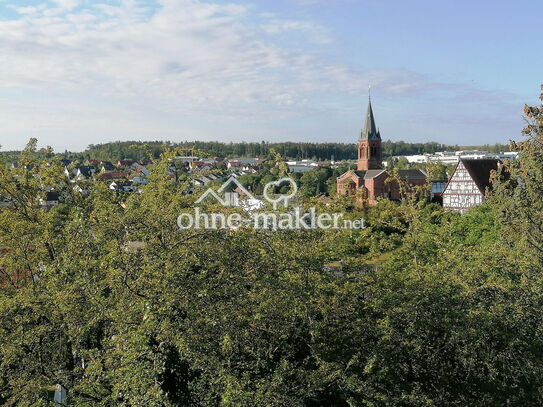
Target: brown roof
point(112, 175)
point(479, 170)
point(125, 163)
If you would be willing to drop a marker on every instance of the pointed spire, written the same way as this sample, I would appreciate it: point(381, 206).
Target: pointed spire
point(370, 132)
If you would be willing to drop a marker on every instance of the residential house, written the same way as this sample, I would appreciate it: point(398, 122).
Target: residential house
point(125, 163)
point(51, 198)
point(135, 165)
point(201, 166)
point(235, 165)
point(469, 183)
point(123, 186)
point(142, 171)
point(247, 160)
point(107, 166)
point(202, 181)
point(80, 173)
point(111, 175)
point(140, 176)
point(83, 191)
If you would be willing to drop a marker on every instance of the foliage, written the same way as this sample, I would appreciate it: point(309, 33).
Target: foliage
point(106, 296)
point(519, 187)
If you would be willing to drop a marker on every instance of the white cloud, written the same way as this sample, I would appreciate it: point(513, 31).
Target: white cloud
point(314, 32)
point(199, 60)
point(186, 54)
point(66, 5)
point(28, 10)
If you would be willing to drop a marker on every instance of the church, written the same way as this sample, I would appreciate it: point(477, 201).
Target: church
point(370, 177)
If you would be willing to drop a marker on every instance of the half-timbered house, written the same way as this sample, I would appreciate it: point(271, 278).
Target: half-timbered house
point(468, 184)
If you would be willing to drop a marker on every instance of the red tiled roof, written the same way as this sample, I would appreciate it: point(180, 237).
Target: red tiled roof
point(113, 175)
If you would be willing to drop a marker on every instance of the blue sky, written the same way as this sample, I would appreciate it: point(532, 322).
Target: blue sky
point(75, 72)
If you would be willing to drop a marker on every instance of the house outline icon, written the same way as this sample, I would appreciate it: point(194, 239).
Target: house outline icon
point(224, 201)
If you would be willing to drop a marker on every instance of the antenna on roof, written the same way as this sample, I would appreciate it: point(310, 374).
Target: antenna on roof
point(369, 93)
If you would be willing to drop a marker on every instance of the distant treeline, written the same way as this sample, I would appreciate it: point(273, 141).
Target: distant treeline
point(319, 151)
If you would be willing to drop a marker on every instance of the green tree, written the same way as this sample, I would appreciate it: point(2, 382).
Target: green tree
point(519, 187)
point(108, 297)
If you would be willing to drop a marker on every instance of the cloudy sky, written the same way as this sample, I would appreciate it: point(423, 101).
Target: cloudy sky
point(75, 72)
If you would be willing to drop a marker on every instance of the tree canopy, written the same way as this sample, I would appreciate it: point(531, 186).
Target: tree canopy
point(105, 295)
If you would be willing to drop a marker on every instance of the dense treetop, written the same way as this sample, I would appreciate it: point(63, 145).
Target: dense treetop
point(422, 308)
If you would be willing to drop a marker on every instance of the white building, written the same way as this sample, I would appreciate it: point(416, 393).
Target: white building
point(416, 159)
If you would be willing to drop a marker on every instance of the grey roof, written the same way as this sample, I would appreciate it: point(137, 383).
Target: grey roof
point(403, 174)
point(412, 174)
point(244, 160)
point(360, 174)
point(369, 174)
point(372, 173)
point(370, 131)
point(121, 184)
point(52, 196)
point(86, 170)
point(108, 165)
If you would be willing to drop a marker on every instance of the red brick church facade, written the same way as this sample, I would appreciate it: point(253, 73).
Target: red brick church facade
point(370, 177)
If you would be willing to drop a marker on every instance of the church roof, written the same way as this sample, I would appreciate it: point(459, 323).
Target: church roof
point(403, 174)
point(370, 131)
point(368, 174)
point(479, 170)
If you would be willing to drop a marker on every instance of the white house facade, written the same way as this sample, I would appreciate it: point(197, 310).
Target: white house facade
point(468, 184)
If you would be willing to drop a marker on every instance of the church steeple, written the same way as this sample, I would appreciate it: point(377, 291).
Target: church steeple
point(369, 144)
point(370, 131)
